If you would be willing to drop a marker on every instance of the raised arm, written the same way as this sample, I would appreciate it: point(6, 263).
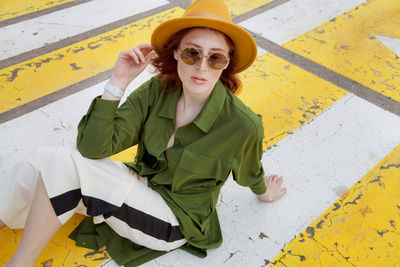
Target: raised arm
point(107, 129)
point(128, 66)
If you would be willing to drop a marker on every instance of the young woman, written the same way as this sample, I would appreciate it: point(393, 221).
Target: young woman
point(191, 131)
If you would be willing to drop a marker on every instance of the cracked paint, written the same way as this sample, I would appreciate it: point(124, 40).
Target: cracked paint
point(287, 98)
point(361, 234)
point(237, 7)
point(61, 251)
point(231, 255)
point(38, 77)
point(348, 45)
point(262, 235)
point(14, 8)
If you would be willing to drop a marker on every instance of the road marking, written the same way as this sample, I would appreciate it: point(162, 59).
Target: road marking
point(56, 251)
point(16, 80)
point(32, 79)
point(15, 8)
point(309, 54)
point(37, 32)
point(360, 229)
point(238, 7)
point(392, 43)
point(348, 45)
point(291, 19)
point(320, 161)
point(285, 95)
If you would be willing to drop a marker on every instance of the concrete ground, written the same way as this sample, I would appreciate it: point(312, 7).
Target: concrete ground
point(326, 81)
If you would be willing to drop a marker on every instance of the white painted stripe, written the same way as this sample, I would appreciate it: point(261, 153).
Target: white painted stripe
point(392, 43)
point(37, 32)
point(260, 51)
point(295, 17)
point(52, 125)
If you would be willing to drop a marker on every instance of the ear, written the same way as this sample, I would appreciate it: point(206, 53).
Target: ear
point(176, 54)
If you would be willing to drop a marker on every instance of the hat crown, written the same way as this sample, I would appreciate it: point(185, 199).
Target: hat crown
point(208, 8)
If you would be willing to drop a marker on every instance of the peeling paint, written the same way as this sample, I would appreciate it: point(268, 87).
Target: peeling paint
point(62, 251)
point(351, 38)
point(262, 235)
point(75, 67)
point(14, 74)
point(14, 8)
point(352, 237)
point(90, 57)
point(237, 7)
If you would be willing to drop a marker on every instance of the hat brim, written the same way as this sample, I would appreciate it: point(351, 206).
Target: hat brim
point(245, 46)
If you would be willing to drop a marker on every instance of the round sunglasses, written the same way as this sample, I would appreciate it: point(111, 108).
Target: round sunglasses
point(191, 56)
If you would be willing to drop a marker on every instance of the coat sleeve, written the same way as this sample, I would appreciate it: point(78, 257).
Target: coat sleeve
point(106, 129)
point(248, 169)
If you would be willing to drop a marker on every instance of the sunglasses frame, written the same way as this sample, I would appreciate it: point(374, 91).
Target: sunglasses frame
point(205, 56)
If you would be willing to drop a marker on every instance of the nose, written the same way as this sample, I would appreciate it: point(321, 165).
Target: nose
point(202, 65)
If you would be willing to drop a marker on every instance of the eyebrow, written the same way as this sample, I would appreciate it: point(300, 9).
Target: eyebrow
point(201, 48)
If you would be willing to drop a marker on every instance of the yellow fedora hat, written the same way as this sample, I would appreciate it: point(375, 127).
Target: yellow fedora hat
point(212, 14)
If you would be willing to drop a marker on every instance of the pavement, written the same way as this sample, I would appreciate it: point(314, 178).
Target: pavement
point(326, 81)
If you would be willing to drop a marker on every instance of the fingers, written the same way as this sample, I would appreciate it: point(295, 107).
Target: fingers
point(274, 183)
point(145, 48)
point(137, 55)
point(282, 192)
point(275, 179)
point(141, 54)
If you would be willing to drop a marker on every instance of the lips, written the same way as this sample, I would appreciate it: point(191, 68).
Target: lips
point(198, 80)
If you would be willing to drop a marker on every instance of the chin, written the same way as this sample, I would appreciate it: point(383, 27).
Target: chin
point(202, 89)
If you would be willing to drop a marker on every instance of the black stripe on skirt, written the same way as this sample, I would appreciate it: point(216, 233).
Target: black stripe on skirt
point(148, 224)
point(66, 202)
point(136, 219)
point(70, 200)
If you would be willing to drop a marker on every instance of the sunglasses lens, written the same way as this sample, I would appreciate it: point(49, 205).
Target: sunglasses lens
point(190, 56)
point(217, 61)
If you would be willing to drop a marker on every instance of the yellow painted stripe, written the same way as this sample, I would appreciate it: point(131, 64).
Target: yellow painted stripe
point(360, 229)
point(238, 7)
point(348, 45)
point(285, 95)
point(14, 8)
point(61, 251)
point(32, 79)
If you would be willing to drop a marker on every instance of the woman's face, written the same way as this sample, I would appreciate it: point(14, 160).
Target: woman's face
point(200, 78)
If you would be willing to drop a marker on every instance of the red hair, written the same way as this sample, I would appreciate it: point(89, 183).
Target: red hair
point(167, 66)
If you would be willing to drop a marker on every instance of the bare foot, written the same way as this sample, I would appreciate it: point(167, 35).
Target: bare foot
point(274, 190)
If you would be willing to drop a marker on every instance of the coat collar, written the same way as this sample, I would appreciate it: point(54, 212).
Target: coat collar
point(206, 118)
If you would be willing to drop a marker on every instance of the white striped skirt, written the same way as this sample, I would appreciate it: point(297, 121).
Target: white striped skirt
point(110, 191)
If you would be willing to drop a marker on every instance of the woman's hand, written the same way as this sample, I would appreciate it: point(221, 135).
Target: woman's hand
point(274, 191)
point(130, 64)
